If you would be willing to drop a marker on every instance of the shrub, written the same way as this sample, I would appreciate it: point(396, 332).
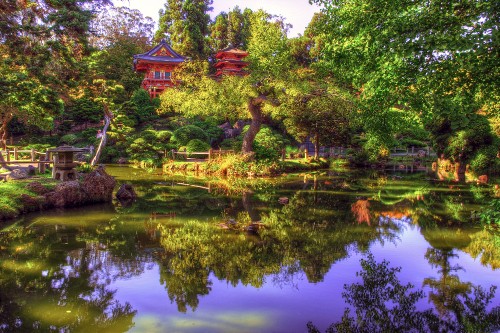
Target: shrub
point(163, 136)
point(69, 139)
point(483, 160)
point(183, 135)
point(214, 133)
point(197, 145)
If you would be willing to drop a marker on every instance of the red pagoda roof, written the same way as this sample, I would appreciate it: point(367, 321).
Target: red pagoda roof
point(161, 53)
point(231, 61)
point(231, 50)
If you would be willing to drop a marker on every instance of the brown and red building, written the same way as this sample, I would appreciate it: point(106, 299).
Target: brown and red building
point(157, 64)
point(230, 62)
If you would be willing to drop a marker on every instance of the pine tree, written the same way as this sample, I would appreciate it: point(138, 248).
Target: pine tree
point(184, 24)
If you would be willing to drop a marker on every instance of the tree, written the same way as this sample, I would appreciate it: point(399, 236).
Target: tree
point(43, 43)
point(416, 54)
point(320, 111)
point(218, 33)
point(184, 23)
point(253, 95)
point(122, 33)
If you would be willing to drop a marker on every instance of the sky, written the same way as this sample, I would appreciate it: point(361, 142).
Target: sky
point(297, 12)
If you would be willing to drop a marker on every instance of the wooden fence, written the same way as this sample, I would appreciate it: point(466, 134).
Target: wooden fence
point(212, 153)
point(31, 156)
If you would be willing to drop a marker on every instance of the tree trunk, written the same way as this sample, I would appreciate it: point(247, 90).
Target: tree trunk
point(255, 109)
point(249, 206)
point(460, 168)
point(3, 138)
point(316, 146)
point(107, 120)
point(6, 118)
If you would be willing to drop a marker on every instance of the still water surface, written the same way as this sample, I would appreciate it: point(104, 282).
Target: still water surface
point(182, 258)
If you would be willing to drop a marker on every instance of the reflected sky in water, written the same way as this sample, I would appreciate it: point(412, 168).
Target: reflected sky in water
point(185, 259)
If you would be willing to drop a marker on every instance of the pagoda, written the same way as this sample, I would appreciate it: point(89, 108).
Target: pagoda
point(157, 64)
point(230, 61)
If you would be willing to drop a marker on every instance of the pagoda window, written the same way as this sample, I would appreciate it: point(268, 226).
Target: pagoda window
point(157, 75)
point(167, 75)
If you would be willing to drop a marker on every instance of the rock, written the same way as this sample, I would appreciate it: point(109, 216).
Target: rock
point(67, 194)
point(31, 170)
point(225, 126)
point(283, 200)
point(37, 188)
point(17, 174)
point(122, 160)
point(32, 204)
point(98, 185)
point(126, 193)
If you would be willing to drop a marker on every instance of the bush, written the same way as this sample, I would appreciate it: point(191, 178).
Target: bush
point(483, 160)
point(183, 135)
point(232, 144)
point(163, 136)
point(214, 133)
point(197, 145)
point(69, 139)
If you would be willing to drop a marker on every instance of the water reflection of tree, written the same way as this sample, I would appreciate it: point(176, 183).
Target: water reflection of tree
point(299, 238)
point(383, 304)
point(50, 283)
point(448, 287)
point(486, 245)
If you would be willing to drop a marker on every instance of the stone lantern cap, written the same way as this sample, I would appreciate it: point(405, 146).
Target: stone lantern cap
point(67, 149)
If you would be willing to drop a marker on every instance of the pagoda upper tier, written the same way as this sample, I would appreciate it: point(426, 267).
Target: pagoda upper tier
point(230, 61)
point(157, 64)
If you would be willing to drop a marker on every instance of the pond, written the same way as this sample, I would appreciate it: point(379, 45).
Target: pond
point(263, 255)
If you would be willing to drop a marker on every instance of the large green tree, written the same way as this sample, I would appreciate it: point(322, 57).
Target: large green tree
point(43, 43)
point(319, 110)
point(121, 32)
point(421, 56)
point(218, 32)
point(252, 96)
point(184, 23)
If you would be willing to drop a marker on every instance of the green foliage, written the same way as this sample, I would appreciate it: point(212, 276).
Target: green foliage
point(268, 144)
point(232, 144)
point(420, 56)
point(196, 145)
point(185, 24)
point(484, 159)
point(84, 110)
point(209, 126)
point(69, 139)
point(164, 136)
point(183, 135)
point(491, 215)
point(144, 107)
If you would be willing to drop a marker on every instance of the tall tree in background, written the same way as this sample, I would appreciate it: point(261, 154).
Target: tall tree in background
point(43, 43)
point(184, 23)
point(235, 27)
point(440, 59)
point(253, 96)
point(231, 28)
point(121, 33)
point(218, 33)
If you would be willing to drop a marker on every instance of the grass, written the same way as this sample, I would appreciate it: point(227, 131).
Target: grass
point(12, 191)
point(241, 165)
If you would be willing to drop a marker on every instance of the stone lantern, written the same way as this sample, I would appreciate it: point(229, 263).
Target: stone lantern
point(64, 164)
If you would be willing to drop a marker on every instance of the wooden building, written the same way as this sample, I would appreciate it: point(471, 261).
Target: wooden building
point(230, 61)
point(157, 64)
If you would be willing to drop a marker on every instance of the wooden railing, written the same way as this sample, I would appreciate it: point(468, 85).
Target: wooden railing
point(211, 153)
point(17, 156)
